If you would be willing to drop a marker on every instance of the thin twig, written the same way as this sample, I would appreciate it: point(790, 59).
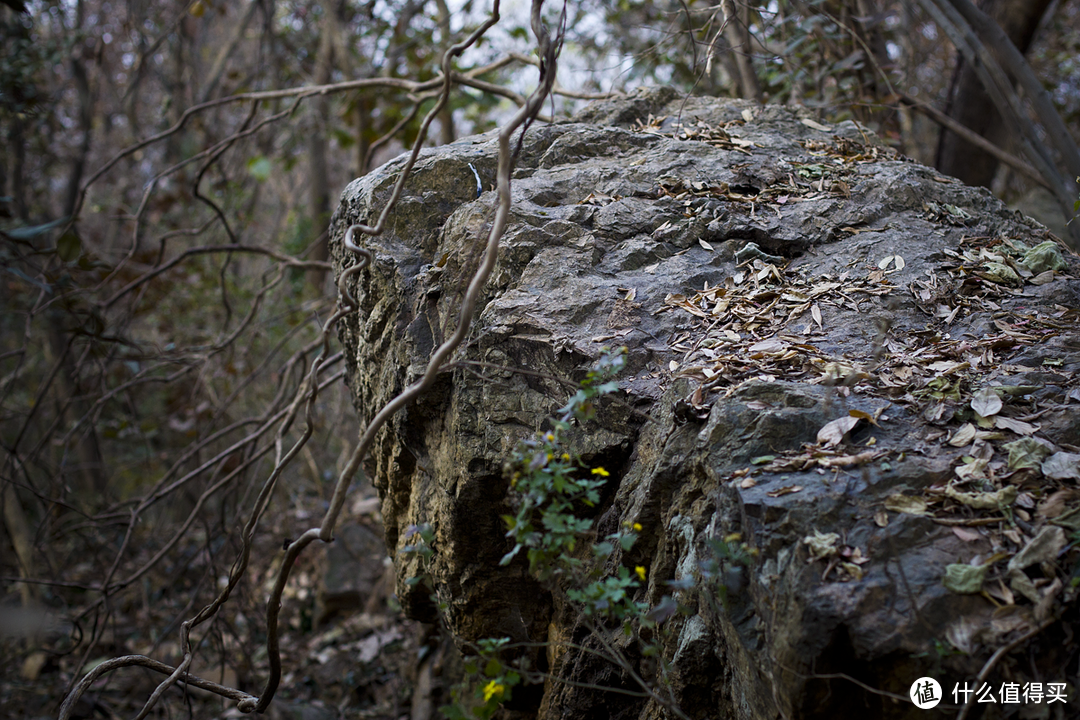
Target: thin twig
point(998, 654)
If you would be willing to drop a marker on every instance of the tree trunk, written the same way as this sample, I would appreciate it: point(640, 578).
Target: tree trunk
point(737, 33)
point(71, 403)
point(222, 59)
point(363, 144)
point(319, 183)
point(446, 116)
point(18, 530)
point(970, 105)
point(86, 121)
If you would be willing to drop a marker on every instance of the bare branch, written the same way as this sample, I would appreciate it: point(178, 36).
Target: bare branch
point(68, 705)
point(202, 250)
point(977, 140)
point(549, 51)
point(999, 88)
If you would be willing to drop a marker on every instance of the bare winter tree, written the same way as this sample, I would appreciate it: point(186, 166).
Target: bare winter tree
point(124, 346)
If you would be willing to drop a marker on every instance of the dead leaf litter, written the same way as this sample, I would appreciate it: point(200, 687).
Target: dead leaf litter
point(764, 324)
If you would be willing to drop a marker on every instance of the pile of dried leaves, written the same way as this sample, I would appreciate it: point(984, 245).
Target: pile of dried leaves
point(766, 323)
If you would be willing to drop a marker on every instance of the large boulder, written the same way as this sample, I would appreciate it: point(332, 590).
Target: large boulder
point(830, 350)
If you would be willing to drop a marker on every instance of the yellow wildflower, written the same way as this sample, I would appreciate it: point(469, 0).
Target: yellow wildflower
point(600, 471)
point(640, 572)
point(493, 690)
point(636, 527)
point(566, 457)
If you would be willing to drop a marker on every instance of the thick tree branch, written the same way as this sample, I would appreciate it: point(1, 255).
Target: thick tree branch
point(1020, 71)
point(998, 86)
point(977, 140)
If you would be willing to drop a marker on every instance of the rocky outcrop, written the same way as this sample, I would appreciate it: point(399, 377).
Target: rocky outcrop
point(860, 367)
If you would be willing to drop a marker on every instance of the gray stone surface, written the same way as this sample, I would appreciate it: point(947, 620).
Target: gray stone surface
point(617, 227)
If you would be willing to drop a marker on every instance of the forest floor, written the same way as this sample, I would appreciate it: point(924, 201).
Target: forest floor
point(359, 662)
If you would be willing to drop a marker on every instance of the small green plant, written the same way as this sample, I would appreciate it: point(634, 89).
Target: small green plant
point(550, 486)
point(480, 699)
point(943, 650)
point(422, 539)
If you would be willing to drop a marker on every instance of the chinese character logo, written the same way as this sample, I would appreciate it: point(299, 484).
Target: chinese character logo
point(925, 693)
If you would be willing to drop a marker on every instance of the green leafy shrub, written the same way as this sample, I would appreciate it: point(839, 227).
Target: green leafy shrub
point(549, 487)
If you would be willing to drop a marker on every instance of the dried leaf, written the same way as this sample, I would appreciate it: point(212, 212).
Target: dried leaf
point(895, 260)
point(948, 367)
point(846, 461)
point(821, 545)
point(863, 415)
point(1017, 426)
point(964, 579)
point(964, 436)
point(964, 635)
point(1043, 548)
point(786, 490)
point(983, 500)
point(704, 244)
point(823, 287)
point(1021, 583)
point(1069, 520)
point(1027, 453)
point(815, 312)
point(1044, 608)
point(370, 647)
point(816, 125)
point(833, 432)
point(972, 469)
point(1056, 504)
point(1045, 256)
point(770, 345)
point(855, 555)
point(986, 402)
point(674, 299)
point(907, 504)
point(1042, 278)
point(1062, 466)
point(966, 534)
point(1005, 595)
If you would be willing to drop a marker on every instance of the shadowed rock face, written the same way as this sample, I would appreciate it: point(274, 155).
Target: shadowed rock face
point(767, 276)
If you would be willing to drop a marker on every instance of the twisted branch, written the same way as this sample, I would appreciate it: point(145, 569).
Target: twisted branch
point(307, 392)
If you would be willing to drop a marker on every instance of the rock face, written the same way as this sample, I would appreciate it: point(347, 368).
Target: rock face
point(769, 276)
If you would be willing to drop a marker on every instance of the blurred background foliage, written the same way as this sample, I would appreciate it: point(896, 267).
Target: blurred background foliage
point(147, 339)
